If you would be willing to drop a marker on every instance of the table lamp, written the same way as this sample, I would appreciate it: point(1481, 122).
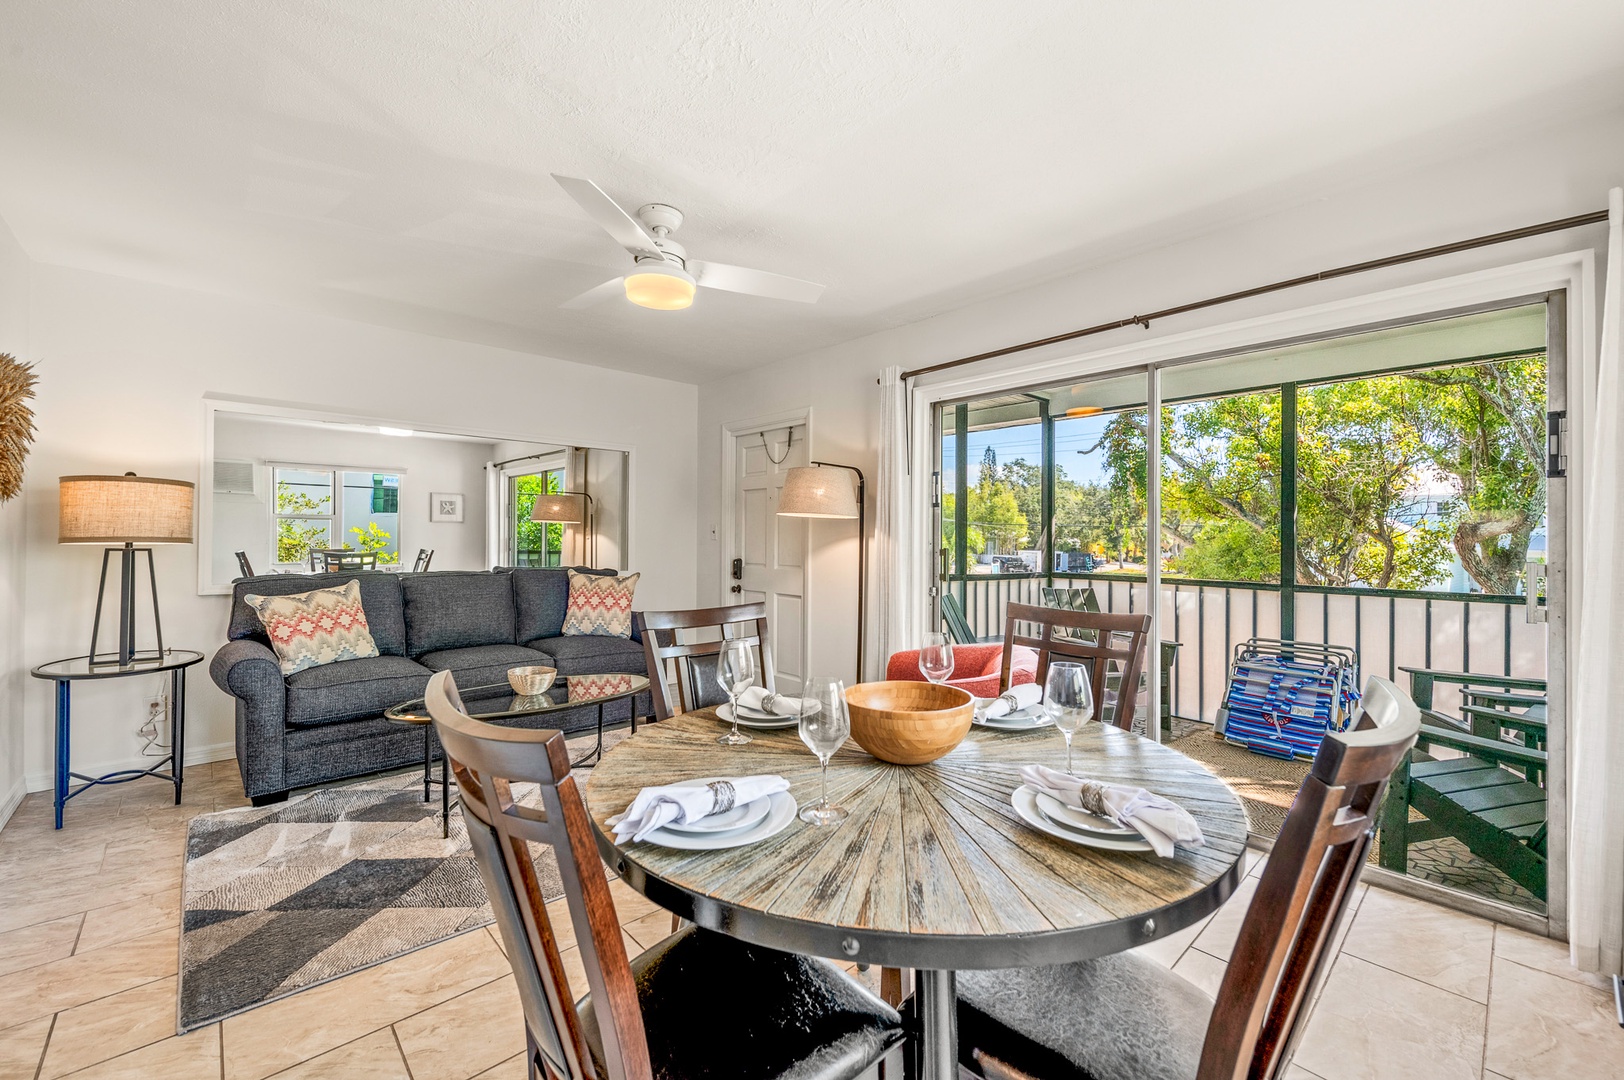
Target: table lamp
point(810, 492)
point(125, 510)
point(568, 508)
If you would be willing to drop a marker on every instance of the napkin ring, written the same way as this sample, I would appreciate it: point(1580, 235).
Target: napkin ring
point(724, 794)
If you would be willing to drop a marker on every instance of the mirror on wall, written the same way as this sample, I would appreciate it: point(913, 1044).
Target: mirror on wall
point(279, 489)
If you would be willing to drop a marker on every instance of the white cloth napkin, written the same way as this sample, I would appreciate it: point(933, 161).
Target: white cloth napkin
point(761, 699)
point(1014, 699)
point(658, 806)
point(1160, 821)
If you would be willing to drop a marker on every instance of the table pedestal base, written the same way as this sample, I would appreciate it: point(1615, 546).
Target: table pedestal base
point(936, 1006)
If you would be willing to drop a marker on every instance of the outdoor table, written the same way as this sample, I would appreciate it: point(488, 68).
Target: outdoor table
point(933, 870)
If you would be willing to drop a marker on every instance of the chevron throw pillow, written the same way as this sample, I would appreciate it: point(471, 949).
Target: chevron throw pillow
point(600, 605)
point(318, 627)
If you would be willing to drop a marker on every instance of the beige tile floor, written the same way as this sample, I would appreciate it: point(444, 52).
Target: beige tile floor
point(88, 941)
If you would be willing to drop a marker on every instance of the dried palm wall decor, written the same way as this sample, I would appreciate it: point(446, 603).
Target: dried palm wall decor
point(16, 422)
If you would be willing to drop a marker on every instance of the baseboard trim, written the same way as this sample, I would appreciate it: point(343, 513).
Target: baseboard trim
point(195, 755)
point(12, 800)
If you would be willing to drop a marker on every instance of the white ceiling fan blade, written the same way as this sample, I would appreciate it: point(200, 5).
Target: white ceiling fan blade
point(626, 230)
point(741, 279)
point(598, 294)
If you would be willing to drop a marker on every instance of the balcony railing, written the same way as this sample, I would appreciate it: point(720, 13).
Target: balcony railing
point(1388, 629)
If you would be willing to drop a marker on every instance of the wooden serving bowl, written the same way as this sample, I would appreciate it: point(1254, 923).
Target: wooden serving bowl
point(909, 723)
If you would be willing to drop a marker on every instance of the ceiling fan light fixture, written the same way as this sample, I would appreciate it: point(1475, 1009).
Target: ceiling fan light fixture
point(662, 286)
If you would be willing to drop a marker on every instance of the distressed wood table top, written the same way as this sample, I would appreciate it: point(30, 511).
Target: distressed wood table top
point(933, 869)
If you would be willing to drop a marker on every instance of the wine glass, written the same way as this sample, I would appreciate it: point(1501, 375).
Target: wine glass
point(936, 658)
point(736, 671)
point(1068, 699)
point(824, 727)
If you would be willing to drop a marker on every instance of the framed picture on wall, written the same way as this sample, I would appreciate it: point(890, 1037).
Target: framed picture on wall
point(445, 506)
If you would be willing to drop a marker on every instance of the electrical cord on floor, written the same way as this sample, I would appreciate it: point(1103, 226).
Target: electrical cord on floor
point(151, 730)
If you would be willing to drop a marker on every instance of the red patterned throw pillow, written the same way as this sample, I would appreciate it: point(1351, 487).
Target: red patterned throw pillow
point(318, 627)
point(600, 605)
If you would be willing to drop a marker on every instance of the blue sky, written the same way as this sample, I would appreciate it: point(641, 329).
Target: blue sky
point(1025, 441)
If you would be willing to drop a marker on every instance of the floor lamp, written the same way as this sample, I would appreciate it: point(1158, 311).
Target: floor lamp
point(809, 492)
point(125, 510)
point(570, 508)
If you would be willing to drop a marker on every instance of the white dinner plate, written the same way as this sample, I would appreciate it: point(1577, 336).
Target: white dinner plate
point(724, 713)
point(780, 812)
point(740, 817)
point(1025, 801)
point(1033, 716)
point(1081, 820)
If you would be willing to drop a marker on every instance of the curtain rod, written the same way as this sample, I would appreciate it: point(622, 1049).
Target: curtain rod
point(1558, 225)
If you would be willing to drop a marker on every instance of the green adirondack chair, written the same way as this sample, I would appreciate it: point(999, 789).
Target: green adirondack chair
point(1491, 799)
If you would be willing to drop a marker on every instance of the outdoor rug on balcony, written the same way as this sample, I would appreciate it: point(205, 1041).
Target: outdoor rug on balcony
point(277, 899)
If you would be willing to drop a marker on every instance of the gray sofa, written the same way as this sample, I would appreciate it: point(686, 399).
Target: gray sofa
point(326, 723)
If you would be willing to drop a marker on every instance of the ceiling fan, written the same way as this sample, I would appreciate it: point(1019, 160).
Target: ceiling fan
point(665, 278)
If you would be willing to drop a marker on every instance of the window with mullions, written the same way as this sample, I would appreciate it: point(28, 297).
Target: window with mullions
point(535, 543)
point(320, 508)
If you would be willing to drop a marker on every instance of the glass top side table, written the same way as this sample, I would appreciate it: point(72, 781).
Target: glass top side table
point(75, 668)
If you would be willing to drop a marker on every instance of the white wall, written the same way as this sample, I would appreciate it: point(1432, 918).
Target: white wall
point(1561, 172)
point(124, 367)
point(14, 339)
point(243, 522)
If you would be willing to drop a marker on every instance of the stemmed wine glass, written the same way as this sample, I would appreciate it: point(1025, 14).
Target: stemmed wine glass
point(936, 658)
point(1068, 699)
point(736, 671)
point(824, 727)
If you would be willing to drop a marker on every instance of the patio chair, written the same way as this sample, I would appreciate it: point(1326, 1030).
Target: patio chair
point(1491, 798)
point(690, 666)
point(958, 627)
point(1125, 1017)
point(1118, 640)
point(654, 1015)
point(977, 668)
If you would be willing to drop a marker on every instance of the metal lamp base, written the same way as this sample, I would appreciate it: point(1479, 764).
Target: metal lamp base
point(127, 652)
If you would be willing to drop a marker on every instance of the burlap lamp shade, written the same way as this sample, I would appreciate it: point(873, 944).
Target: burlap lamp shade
point(126, 509)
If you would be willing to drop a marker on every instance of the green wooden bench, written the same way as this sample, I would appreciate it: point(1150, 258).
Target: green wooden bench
point(1490, 799)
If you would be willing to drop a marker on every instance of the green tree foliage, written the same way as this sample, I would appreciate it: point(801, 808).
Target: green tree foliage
point(540, 543)
point(295, 538)
point(374, 539)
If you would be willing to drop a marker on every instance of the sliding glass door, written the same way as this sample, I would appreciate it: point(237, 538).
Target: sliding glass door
point(1386, 502)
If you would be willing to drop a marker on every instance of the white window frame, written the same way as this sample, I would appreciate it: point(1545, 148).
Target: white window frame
point(337, 526)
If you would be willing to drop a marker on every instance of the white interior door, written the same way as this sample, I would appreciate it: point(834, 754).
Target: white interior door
point(769, 552)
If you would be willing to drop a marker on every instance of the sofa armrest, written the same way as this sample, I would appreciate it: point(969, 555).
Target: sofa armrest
point(249, 672)
point(247, 669)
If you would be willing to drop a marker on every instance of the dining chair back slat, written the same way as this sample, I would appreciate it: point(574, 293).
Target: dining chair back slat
point(682, 670)
point(487, 761)
point(243, 565)
point(1281, 953)
point(424, 557)
point(1093, 639)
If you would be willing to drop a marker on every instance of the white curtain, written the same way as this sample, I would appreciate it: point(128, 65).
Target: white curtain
point(495, 509)
point(896, 609)
point(1596, 847)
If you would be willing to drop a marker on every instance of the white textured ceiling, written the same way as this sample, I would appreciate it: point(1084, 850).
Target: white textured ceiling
point(388, 160)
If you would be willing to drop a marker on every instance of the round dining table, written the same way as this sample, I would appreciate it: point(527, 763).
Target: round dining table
point(932, 870)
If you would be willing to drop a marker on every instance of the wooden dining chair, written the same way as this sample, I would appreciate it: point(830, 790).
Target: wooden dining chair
point(243, 565)
point(1094, 639)
point(424, 557)
point(698, 1004)
point(682, 673)
point(1124, 1016)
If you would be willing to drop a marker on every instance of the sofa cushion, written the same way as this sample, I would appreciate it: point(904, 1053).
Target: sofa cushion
point(309, 629)
point(456, 609)
point(353, 689)
point(380, 599)
point(541, 596)
point(481, 665)
point(600, 606)
point(593, 655)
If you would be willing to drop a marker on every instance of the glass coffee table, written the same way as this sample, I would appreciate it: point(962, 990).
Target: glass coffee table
point(496, 703)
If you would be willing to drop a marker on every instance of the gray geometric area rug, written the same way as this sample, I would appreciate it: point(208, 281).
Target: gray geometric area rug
point(281, 898)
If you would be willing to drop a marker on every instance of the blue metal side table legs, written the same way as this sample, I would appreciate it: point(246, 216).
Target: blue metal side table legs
point(64, 673)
